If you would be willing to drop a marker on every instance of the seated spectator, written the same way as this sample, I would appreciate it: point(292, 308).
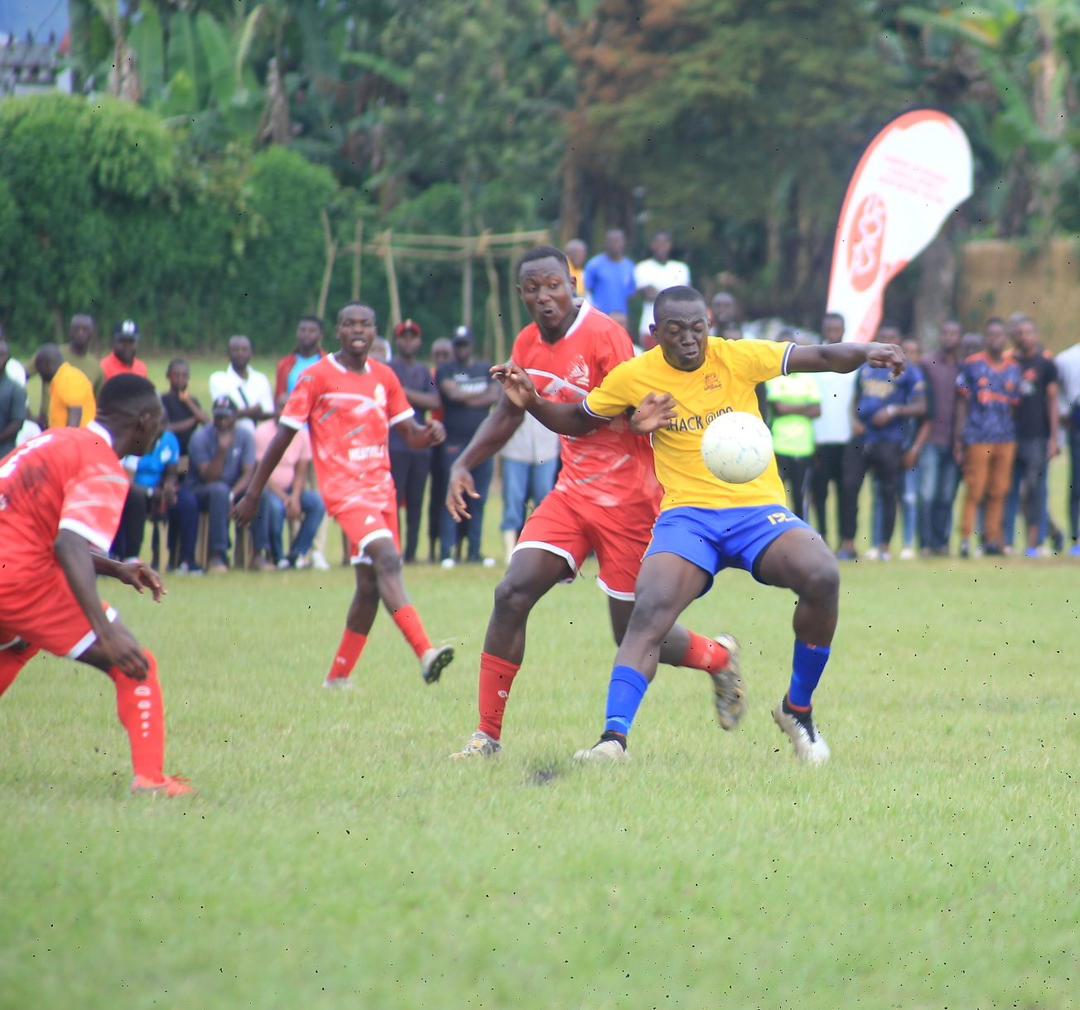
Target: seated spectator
point(247, 387)
point(152, 493)
point(122, 360)
point(286, 496)
point(468, 391)
point(222, 462)
point(530, 464)
point(71, 397)
point(411, 467)
point(12, 403)
point(309, 336)
point(989, 391)
point(794, 402)
point(183, 413)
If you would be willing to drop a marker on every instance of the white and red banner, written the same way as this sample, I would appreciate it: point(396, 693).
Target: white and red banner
point(913, 175)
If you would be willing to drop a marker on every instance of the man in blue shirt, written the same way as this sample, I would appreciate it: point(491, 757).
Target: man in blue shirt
point(883, 406)
point(609, 278)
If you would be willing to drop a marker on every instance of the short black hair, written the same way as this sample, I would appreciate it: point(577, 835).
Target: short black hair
point(543, 252)
point(311, 319)
point(127, 394)
point(679, 293)
point(174, 363)
point(355, 305)
point(834, 315)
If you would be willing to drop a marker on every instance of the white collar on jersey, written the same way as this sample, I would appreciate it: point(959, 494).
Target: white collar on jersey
point(583, 311)
point(101, 432)
point(341, 368)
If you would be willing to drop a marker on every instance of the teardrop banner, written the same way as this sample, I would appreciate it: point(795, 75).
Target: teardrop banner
point(915, 173)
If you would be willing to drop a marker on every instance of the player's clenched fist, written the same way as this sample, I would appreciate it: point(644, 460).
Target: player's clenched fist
point(245, 510)
point(516, 383)
point(123, 651)
point(886, 356)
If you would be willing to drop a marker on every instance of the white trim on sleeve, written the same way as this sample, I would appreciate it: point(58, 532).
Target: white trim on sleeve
point(291, 422)
point(784, 363)
point(97, 539)
point(403, 416)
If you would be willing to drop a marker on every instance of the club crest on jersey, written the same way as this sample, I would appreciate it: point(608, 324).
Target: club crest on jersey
point(712, 382)
point(578, 373)
point(380, 395)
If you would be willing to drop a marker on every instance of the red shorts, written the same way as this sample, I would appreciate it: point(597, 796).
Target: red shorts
point(574, 529)
point(361, 526)
point(41, 609)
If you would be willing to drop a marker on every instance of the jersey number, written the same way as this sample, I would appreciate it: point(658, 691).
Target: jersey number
point(16, 457)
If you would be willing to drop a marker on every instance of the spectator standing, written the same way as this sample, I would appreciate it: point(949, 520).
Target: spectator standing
point(442, 353)
point(1068, 366)
point(1037, 430)
point(883, 405)
point(71, 397)
point(286, 496)
point(723, 313)
point(938, 473)
point(309, 336)
point(833, 446)
point(152, 493)
point(651, 277)
point(411, 467)
point(609, 278)
point(12, 403)
point(989, 390)
point(222, 462)
point(576, 253)
point(122, 360)
point(183, 413)
point(14, 369)
point(82, 331)
point(794, 402)
point(916, 434)
point(247, 387)
point(468, 392)
point(530, 464)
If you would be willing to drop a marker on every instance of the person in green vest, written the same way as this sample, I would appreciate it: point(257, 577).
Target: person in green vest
point(794, 401)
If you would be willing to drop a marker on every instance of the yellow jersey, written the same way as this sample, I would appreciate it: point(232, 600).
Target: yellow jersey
point(70, 388)
point(726, 381)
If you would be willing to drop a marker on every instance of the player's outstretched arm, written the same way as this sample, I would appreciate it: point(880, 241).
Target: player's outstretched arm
point(77, 561)
point(846, 357)
point(247, 507)
point(137, 574)
point(562, 418)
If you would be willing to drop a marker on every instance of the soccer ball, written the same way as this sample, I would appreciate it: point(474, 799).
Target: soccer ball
point(737, 447)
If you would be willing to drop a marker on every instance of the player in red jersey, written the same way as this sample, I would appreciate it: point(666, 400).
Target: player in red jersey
point(605, 502)
point(349, 403)
point(61, 496)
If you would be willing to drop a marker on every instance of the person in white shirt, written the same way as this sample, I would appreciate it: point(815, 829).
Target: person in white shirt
point(1068, 368)
point(832, 437)
point(651, 277)
point(247, 387)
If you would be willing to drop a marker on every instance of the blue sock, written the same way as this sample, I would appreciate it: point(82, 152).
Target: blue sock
point(625, 693)
point(807, 666)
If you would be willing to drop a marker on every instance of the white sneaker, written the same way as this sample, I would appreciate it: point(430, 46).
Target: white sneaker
point(604, 752)
point(488, 562)
point(447, 563)
point(284, 565)
point(318, 562)
point(872, 555)
point(810, 746)
point(907, 554)
point(479, 745)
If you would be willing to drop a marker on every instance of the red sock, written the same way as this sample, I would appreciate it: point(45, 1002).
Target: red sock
point(348, 654)
point(496, 678)
point(12, 660)
point(141, 709)
point(705, 654)
point(410, 625)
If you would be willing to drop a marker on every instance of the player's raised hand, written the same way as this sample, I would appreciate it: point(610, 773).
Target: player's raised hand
point(516, 383)
point(460, 488)
point(140, 576)
point(888, 356)
point(245, 510)
point(653, 413)
point(122, 650)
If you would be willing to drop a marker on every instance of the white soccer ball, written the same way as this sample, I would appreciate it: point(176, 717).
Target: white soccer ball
point(737, 447)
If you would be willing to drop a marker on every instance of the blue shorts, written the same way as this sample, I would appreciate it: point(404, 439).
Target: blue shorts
point(715, 539)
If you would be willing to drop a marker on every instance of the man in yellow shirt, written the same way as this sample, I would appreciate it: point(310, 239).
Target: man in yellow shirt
point(705, 524)
point(71, 396)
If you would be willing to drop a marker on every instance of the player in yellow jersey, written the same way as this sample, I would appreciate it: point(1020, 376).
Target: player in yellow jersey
point(705, 524)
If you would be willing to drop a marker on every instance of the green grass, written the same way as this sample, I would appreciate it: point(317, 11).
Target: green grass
point(335, 858)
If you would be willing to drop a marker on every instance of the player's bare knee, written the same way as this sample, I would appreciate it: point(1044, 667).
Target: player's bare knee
point(513, 599)
point(388, 565)
point(821, 583)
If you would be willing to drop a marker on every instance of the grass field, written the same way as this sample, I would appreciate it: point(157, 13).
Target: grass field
point(335, 858)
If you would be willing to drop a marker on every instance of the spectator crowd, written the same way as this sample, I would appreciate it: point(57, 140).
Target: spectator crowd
point(986, 412)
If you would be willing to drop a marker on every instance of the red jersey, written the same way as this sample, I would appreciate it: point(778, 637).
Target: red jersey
point(349, 415)
point(112, 366)
point(64, 479)
point(610, 466)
